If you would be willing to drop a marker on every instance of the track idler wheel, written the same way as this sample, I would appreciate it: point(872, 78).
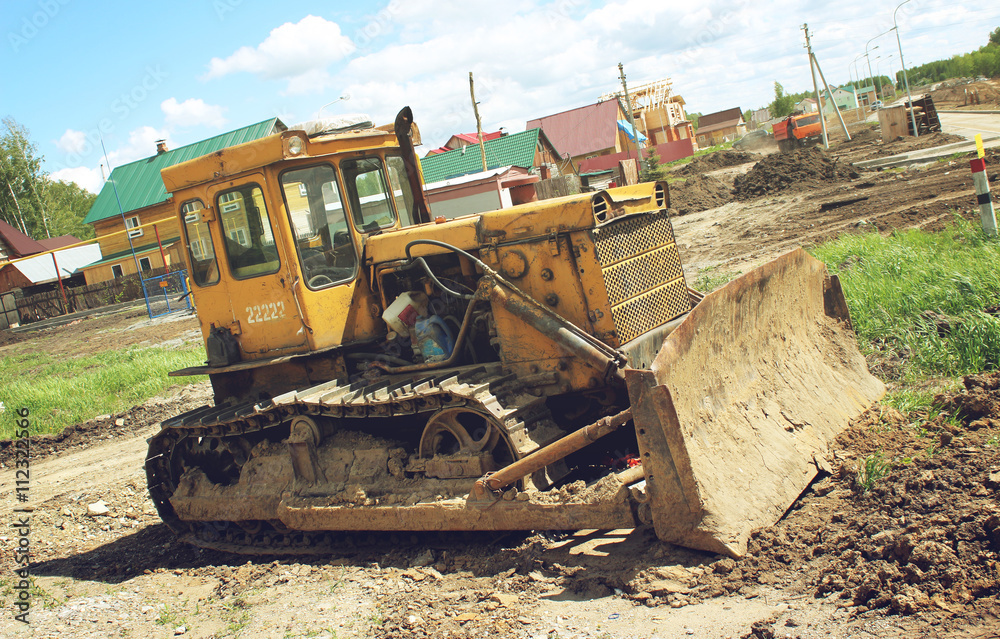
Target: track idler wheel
point(461, 442)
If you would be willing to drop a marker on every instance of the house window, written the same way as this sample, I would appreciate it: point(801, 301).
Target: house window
point(144, 264)
point(132, 224)
point(240, 235)
point(116, 271)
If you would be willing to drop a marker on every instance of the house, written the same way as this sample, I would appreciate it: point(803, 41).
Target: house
point(721, 126)
point(134, 213)
point(866, 96)
point(844, 97)
point(588, 131)
point(474, 192)
point(658, 111)
point(807, 105)
point(530, 150)
point(35, 265)
point(459, 140)
point(758, 117)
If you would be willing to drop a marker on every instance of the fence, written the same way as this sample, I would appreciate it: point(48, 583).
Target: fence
point(166, 293)
point(39, 306)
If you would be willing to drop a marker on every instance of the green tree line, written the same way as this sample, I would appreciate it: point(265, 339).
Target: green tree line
point(30, 200)
point(984, 61)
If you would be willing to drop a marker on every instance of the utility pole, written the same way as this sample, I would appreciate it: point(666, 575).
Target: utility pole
point(631, 119)
point(913, 118)
point(479, 124)
point(830, 93)
point(819, 102)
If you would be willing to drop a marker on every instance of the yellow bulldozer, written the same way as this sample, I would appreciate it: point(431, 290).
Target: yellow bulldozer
point(539, 367)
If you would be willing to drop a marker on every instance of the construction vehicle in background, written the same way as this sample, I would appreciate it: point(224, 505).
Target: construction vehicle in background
point(797, 131)
point(540, 367)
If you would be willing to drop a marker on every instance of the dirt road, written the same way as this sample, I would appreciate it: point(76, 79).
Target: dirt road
point(918, 557)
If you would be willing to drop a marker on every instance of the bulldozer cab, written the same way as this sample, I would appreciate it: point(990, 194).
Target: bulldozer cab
point(275, 249)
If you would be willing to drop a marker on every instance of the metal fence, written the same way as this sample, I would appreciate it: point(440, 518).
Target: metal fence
point(166, 293)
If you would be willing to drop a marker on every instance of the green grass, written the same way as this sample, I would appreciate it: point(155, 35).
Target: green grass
point(873, 468)
point(710, 278)
point(60, 392)
point(698, 153)
point(892, 282)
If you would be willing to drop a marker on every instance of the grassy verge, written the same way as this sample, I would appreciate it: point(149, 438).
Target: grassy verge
point(60, 392)
point(698, 153)
point(923, 301)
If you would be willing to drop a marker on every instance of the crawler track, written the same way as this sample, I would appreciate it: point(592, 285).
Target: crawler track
point(524, 417)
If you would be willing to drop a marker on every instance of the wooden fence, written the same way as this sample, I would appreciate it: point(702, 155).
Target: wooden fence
point(41, 306)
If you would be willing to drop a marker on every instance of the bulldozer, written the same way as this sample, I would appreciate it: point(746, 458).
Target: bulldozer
point(538, 367)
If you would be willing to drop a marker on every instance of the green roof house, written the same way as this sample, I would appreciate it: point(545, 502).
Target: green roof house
point(143, 200)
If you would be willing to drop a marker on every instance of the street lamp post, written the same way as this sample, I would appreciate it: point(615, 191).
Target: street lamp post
point(869, 60)
point(871, 77)
point(857, 102)
point(906, 81)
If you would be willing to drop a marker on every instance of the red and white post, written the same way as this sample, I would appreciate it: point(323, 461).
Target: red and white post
point(982, 185)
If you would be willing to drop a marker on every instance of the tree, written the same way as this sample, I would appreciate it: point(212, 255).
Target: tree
point(32, 202)
point(652, 170)
point(783, 105)
point(693, 117)
point(22, 190)
point(66, 205)
point(995, 37)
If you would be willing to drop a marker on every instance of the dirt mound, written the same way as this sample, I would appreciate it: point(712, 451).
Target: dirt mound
point(908, 524)
point(717, 160)
point(699, 193)
point(961, 93)
point(9, 337)
point(801, 170)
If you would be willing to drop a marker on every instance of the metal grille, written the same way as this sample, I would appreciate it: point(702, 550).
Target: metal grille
point(642, 272)
point(626, 237)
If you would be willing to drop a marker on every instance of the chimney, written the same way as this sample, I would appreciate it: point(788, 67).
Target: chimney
point(161, 146)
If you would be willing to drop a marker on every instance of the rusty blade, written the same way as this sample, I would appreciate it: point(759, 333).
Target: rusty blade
point(753, 385)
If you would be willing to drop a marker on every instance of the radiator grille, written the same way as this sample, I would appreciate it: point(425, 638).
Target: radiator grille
point(642, 272)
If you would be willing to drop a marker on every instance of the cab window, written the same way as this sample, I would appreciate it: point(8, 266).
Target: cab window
point(204, 266)
point(401, 189)
point(323, 241)
point(248, 238)
point(367, 194)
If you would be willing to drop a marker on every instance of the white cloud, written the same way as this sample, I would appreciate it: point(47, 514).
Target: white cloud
point(85, 178)
point(141, 144)
point(72, 141)
point(293, 52)
point(192, 112)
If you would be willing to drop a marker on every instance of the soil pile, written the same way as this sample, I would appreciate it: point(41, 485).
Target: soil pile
point(909, 524)
point(699, 193)
point(716, 161)
point(802, 169)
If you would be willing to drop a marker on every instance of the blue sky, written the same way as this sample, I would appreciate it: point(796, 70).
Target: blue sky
point(134, 72)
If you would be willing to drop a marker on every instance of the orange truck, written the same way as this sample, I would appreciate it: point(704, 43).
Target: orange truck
point(797, 131)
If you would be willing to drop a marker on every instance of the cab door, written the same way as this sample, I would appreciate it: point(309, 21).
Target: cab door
point(265, 316)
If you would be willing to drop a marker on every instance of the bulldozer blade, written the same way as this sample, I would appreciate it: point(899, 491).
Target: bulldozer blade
point(743, 400)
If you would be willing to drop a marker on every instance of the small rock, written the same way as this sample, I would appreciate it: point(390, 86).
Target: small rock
point(98, 509)
point(504, 599)
point(121, 422)
point(179, 630)
point(642, 596)
point(66, 512)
